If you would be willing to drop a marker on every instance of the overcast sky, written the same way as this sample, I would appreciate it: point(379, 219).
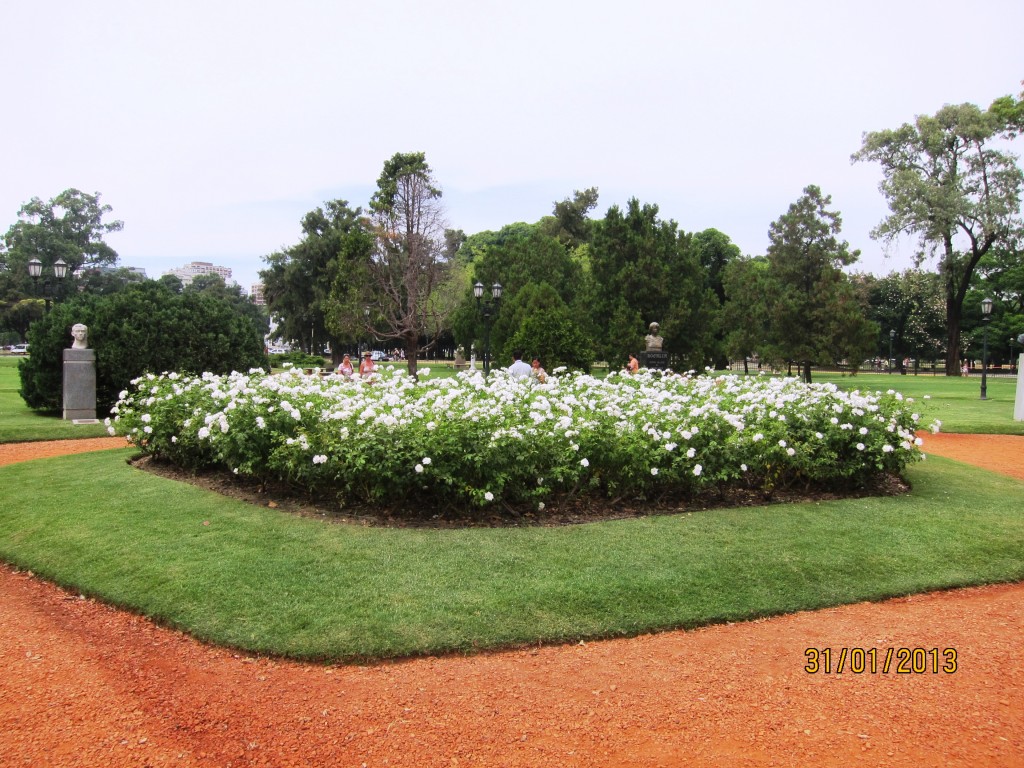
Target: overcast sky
point(212, 127)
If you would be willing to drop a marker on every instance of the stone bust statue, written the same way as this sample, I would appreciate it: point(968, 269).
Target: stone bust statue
point(81, 334)
point(654, 341)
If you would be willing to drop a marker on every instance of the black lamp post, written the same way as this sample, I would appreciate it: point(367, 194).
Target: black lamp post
point(366, 321)
point(986, 310)
point(488, 309)
point(892, 335)
point(35, 270)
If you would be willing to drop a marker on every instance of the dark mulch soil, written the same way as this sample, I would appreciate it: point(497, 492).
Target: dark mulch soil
point(558, 511)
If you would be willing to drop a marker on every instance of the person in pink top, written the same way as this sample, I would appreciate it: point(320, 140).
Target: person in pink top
point(345, 367)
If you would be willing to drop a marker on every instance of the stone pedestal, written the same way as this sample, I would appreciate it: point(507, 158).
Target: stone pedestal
point(1018, 408)
point(79, 384)
point(654, 359)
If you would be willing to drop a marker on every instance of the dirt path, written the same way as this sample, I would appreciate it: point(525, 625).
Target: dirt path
point(12, 452)
point(84, 684)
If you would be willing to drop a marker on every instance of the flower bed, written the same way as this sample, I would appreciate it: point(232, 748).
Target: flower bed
point(470, 442)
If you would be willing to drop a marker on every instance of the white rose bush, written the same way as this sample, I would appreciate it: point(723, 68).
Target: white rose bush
point(469, 442)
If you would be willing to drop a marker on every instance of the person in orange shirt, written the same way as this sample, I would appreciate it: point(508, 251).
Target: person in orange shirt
point(633, 365)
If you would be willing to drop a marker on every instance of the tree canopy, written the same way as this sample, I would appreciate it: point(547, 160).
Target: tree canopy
point(811, 310)
point(645, 270)
point(301, 283)
point(948, 185)
point(69, 227)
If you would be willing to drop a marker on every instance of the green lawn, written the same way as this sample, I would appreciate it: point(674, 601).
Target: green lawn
point(955, 401)
point(19, 424)
point(263, 580)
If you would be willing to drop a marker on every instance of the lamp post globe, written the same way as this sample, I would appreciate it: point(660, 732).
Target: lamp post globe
point(35, 270)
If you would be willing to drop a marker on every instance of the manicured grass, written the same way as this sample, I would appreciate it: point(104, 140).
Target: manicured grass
point(18, 423)
point(955, 401)
point(266, 581)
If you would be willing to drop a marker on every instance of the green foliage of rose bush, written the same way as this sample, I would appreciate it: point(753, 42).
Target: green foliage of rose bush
point(470, 441)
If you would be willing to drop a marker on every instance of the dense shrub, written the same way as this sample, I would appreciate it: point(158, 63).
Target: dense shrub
point(545, 329)
point(472, 442)
point(143, 328)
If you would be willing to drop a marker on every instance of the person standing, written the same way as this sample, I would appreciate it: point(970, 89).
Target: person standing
point(345, 368)
point(538, 373)
point(366, 367)
point(633, 365)
point(519, 369)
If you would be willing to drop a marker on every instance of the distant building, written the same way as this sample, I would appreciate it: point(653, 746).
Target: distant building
point(194, 269)
point(256, 294)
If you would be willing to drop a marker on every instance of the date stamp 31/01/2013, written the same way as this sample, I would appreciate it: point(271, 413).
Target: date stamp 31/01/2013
point(873, 661)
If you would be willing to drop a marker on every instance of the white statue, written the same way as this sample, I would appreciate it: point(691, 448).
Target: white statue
point(81, 334)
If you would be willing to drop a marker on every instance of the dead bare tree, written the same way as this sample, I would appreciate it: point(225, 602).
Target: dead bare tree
point(410, 268)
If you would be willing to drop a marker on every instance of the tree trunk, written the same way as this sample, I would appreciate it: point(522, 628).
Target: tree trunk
point(952, 337)
point(412, 347)
point(958, 279)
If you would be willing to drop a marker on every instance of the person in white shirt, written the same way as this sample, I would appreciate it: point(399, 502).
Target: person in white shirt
point(519, 369)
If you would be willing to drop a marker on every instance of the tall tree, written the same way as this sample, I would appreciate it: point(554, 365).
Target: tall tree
point(743, 318)
point(409, 268)
point(569, 222)
point(715, 251)
point(910, 303)
point(644, 268)
point(519, 256)
point(812, 310)
point(1002, 273)
point(960, 196)
point(300, 281)
point(68, 227)
point(1010, 112)
point(544, 327)
point(71, 227)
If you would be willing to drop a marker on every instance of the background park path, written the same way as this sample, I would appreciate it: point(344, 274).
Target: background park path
point(85, 684)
